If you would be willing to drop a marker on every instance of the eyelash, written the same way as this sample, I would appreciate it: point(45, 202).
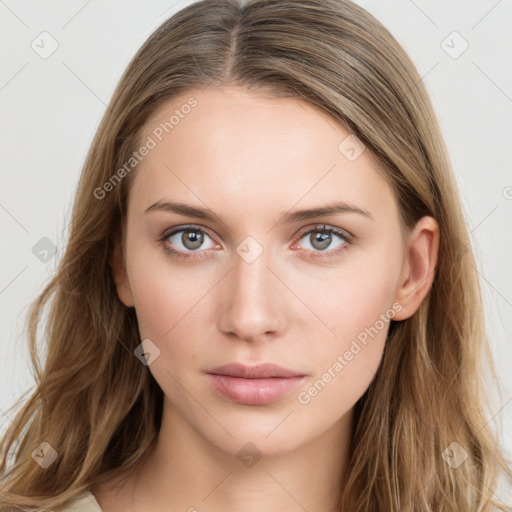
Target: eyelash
point(319, 254)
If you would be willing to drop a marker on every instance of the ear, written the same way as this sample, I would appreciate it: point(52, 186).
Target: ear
point(418, 269)
point(120, 276)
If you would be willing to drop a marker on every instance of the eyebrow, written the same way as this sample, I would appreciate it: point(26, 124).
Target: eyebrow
point(287, 217)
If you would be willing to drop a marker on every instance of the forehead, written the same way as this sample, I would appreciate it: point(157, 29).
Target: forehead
point(232, 145)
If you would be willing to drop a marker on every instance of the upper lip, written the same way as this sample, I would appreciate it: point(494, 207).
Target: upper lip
point(259, 371)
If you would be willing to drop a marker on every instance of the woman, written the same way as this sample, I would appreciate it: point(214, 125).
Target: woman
point(268, 300)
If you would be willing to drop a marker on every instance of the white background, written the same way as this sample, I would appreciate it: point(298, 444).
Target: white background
point(50, 109)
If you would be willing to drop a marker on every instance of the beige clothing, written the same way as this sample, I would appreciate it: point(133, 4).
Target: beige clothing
point(86, 502)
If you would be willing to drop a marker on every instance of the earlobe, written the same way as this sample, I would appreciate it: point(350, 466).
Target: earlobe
point(120, 277)
point(418, 271)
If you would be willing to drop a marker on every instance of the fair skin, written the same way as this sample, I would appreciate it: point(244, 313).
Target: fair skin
point(249, 158)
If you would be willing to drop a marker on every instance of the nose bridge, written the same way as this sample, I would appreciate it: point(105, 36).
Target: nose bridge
point(251, 279)
point(250, 305)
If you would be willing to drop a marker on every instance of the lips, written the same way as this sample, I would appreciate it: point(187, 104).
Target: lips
point(260, 371)
point(254, 385)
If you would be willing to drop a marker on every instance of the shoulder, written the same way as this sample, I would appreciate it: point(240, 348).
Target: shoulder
point(86, 502)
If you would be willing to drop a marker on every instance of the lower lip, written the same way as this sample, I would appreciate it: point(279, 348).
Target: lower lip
point(254, 391)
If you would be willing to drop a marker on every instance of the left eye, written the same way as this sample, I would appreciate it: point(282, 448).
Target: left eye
point(320, 238)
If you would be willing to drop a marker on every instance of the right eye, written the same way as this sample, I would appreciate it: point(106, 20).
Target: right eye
point(185, 241)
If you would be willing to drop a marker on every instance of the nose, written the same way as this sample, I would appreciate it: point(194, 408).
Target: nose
point(252, 302)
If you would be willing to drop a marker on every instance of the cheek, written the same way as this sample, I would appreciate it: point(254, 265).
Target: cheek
point(357, 304)
point(163, 291)
point(353, 296)
point(165, 306)
point(345, 365)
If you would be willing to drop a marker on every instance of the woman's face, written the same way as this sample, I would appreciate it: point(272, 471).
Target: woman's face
point(257, 278)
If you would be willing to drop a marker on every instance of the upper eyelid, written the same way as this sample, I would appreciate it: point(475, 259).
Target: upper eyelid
point(177, 229)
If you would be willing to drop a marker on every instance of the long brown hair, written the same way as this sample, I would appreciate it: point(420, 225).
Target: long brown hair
point(100, 409)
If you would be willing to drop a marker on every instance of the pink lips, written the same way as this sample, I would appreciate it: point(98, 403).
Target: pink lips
point(254, 385)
